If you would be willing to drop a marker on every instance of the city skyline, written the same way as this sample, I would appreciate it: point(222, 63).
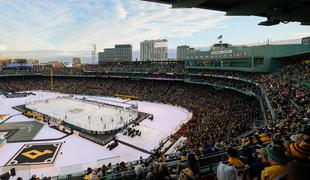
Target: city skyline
point(58, 29)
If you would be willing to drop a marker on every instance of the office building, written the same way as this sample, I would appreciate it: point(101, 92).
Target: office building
point(120, 53)
point(154, 50)
point(183, 52)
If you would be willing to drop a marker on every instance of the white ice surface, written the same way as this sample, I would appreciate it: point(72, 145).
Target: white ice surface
point(85, 114)
point(76, 150)
point(109, 100)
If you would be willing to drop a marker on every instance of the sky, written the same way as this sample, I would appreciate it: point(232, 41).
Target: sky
point(62, 29)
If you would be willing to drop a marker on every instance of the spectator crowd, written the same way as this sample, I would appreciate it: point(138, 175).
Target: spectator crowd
point(278, 150)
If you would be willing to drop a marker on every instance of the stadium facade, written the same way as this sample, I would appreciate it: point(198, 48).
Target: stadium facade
point(261, 58)
point(306, 41)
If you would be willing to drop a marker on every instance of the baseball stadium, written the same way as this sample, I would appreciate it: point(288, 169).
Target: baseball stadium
point(80, 118)
point(227, 112)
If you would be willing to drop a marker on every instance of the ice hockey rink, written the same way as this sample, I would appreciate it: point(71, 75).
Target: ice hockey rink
point(86, 114)
point(77, 153)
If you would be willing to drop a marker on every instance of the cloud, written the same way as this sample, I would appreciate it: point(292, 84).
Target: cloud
point(298, 35)
point(71, 25)
point(121, 11)
point(3, 47)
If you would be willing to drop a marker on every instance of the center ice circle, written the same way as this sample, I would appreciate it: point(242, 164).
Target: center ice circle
point(76, 110)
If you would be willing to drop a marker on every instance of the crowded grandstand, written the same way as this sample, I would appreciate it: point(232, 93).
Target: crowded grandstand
point(245, 125)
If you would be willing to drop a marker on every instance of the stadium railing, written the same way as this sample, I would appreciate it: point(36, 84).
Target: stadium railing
point(207, 164)
point(21, 171)
point(266, 99)
point(303, 82)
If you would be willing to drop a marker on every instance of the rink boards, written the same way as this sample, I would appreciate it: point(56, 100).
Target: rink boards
point(77, 153)
point(84, 114)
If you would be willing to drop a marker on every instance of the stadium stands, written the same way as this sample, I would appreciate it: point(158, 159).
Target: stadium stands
point(225, 107)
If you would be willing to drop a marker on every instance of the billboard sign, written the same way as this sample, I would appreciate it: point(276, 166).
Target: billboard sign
point(160, 44)
point(227, 51)
point(17, 65)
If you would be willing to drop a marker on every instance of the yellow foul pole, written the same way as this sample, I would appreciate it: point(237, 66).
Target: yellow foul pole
point(52, 84)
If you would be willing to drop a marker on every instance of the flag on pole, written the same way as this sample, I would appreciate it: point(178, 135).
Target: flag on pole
point(220, 37)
